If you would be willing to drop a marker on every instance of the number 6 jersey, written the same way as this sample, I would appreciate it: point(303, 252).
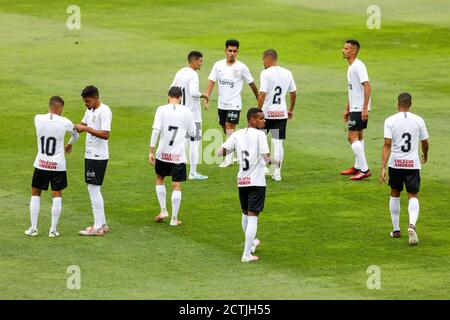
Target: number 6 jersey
point(406, 130)
point(50, 131)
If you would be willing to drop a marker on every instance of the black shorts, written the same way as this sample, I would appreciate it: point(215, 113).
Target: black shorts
point(409, 177)
point(41, 179)
point(230, 116)
point(276, 127)
point(252, 198)
point(198, 133)
point(355, 122)
point(176, 170)
point(94, 171)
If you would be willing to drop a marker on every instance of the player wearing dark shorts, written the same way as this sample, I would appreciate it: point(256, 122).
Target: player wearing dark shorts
point(252, 198)
point(175, 170)
point(355, 122)
point(276, 128)
point(230, 116)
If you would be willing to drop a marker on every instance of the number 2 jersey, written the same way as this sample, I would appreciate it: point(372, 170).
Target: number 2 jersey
point(250, 145)
point(50, 131)
point(276, 82)
point(406, 131)
point(173, 121)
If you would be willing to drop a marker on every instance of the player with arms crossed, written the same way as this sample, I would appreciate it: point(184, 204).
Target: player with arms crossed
point(230, 73)
point(356, 111)
point(253, 154)
point(187, 79)
point(50, 163)
point(402, 133)
point(172, 122)
point(275, 83)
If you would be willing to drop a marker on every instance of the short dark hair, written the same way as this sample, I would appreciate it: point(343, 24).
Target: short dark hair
point(354, 43)
point(404, 99)
point(55, 100)
point(194, 55)
point(231, 43)
point(271, 53)
point(89, 91)
point(252, 112)
point(175, 92)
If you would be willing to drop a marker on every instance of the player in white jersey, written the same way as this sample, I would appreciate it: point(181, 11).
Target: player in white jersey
point(97, 125)
point(231, 74)
point(275, 83)
point(253, 154)
point(402, 134)
point(172, 122)
point(356, 111)
point(50, 163)
point(187, 80)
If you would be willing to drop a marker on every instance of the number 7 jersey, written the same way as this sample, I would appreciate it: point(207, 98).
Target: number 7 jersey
point(50, 131)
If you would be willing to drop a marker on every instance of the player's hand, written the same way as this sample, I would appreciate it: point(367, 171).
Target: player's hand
point(80, 127)
point(364, 115)
point(206, 101)
point(68, 148)
point(423, 160)
point(290, 114)
point(383, 176)
point(152, 159)
point(346, 115)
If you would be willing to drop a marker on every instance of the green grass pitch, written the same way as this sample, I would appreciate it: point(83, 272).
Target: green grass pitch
point(319, 231)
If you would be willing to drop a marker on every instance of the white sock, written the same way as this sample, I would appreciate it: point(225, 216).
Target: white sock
point(35, 204)
point(394, 208)
point(97, 205)
point(278, 152)
point(359, 155)
point(250, 234)
point(193, 156)
point(413, 210)
point(56, 212)
point(244, 222)
point(161, 194)
point(176, 201)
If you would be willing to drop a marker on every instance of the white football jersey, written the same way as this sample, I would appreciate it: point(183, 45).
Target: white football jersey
point(98, 119)
point(187, 79)
point(230, 80)
point(173, 121)
point(406, 131)
point(250, 145)
point(50, 131)
point(356, 75)
point(276, 82)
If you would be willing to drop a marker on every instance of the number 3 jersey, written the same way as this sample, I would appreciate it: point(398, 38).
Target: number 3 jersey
point(250, 145)
point(406, 131)
point(173, 121)
point(50, 131)
point(276, 82)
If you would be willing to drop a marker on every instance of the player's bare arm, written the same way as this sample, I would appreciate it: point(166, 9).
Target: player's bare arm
point(293, 98)
point(223, 152)
point(346, 111)
point(209, 89)
point(261, 98)
point(425, 147)
point(96, 133)
point(151, 156)
point(367, 91)
point(254, 89)
point(384, 158)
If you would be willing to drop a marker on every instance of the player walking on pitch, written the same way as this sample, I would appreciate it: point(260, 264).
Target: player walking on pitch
point(187, 79)
point(402, 133)
point(172, 122)
point(50, 163)
point(275, 83)
point(356, 111)
point(230, 73)
point(253, 153)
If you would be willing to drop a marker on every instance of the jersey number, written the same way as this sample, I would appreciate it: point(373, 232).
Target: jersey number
point(406, 147)
point(48, 146)
point(245, 155)
point(277, 95)
point(175, 130)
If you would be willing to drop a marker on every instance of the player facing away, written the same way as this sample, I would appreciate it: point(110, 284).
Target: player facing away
point(402, 133)
point(275, 83)
point(50, 163)
point(253, 154)
point(171, 124)
point(187, 80)
point(231, 74)
point(97, 125)
point(356, 111)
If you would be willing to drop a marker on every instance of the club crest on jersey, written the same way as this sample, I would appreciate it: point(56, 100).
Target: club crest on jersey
point(236, 73)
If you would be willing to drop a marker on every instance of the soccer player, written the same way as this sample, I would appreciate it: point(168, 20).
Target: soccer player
point(230, 73)
point(357, 109)
point(253, 153)
point(275, 83)
point(402, 133)
point(172, 122)
point(187, 80)
point(97, 125)
point(50, 163)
